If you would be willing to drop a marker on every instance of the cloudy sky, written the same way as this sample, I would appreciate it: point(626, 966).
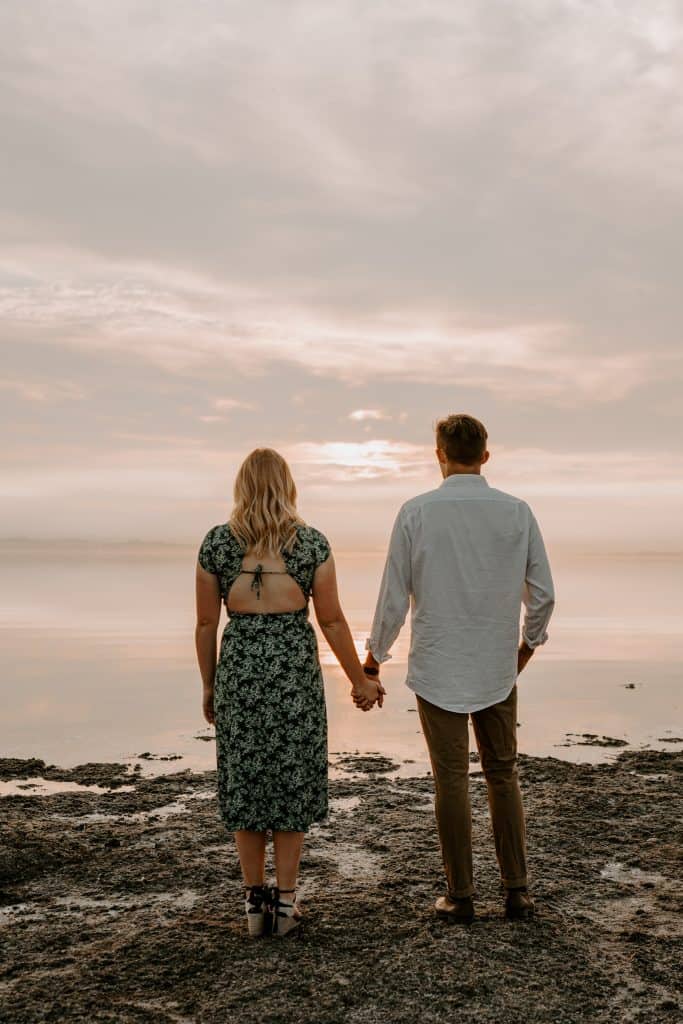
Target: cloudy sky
point(319, 226)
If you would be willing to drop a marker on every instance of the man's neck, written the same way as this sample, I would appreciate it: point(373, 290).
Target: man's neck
point(456, 469)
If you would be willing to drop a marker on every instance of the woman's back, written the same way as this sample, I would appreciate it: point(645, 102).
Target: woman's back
point(265, 586)
point(283, 583)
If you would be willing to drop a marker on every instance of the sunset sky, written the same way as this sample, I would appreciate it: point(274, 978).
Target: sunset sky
point(319, 226)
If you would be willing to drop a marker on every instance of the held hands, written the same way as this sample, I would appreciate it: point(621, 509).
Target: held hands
point(366, 692)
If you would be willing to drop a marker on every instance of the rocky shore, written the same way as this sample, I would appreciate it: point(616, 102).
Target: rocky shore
point(122, 903)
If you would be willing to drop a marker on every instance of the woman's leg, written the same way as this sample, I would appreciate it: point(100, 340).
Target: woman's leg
point(251, 847)
point(287, 846)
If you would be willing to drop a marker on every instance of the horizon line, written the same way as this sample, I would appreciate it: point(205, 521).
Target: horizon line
point(137, 542)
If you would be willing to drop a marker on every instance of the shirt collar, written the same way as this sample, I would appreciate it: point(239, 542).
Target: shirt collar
point(463, 479)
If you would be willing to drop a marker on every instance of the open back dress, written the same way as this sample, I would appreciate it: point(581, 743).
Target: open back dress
point(269, 701)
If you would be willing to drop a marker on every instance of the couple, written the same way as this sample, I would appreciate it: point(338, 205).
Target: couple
point(464, 556)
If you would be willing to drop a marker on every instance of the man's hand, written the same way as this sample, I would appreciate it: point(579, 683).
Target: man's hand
point(523, 656)
point(207, 706)
point(367, 692)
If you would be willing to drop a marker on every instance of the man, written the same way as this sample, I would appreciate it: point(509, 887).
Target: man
point(464, 557)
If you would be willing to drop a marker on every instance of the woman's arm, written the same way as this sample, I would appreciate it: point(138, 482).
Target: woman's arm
point(208, 617)
point(336, 630)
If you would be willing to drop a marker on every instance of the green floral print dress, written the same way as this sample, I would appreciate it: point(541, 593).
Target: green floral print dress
point(269, 701)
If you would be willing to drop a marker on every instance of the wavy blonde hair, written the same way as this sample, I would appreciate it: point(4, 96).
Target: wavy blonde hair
point(264, 518)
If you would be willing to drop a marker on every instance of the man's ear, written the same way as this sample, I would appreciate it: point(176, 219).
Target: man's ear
point(441, 455)
point(485, 457)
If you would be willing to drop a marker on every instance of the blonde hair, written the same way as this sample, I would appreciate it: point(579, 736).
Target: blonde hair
point(264, 518)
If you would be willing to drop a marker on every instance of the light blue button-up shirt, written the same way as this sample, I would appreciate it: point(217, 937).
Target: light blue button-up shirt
point(464, 557)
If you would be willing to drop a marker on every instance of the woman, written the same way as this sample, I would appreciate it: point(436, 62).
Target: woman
point(265, 695)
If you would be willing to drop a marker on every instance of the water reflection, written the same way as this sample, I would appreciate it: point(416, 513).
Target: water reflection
point(98, 659)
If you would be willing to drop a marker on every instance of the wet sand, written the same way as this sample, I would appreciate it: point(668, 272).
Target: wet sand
point(123, 903)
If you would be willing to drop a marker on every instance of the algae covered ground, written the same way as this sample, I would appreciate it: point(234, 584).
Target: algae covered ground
point(122, 903)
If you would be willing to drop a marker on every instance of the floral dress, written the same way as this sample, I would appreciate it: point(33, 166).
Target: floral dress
point(269, 701)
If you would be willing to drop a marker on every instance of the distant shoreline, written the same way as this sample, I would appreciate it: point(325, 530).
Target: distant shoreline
point(561, 553)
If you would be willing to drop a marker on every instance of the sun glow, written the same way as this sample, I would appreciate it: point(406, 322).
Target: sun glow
point(360, 460)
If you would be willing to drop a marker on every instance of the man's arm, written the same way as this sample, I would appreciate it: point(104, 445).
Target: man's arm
point(393, 600)
point(538, 596)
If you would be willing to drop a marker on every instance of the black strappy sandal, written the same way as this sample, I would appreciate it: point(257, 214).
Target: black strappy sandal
point(257, 907)
point(287, 915)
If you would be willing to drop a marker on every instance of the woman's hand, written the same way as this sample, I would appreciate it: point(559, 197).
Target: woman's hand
point(366, 692)
point(207, 706)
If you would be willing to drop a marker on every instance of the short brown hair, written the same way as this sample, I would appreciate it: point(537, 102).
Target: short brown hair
point(462, 437)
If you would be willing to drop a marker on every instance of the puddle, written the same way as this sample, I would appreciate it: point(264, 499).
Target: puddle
point(615, 871)
point(184, 900)
point(350, 860)
point(425, 805)
point(47, 787)
point(166, 810)
point(344, 804)
point(113, 906)
point(162, 812)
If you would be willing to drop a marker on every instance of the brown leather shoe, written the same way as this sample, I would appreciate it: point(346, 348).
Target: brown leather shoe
point(461, 911)
point(518, 904)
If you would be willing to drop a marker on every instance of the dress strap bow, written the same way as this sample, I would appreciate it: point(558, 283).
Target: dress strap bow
point(257, 581)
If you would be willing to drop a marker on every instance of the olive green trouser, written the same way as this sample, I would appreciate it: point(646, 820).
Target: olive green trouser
point(495, 730)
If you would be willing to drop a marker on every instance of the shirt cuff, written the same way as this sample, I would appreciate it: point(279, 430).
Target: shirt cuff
point(534, 643)
point(371, 646)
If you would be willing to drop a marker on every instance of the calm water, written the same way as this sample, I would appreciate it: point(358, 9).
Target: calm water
point(99, 664)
